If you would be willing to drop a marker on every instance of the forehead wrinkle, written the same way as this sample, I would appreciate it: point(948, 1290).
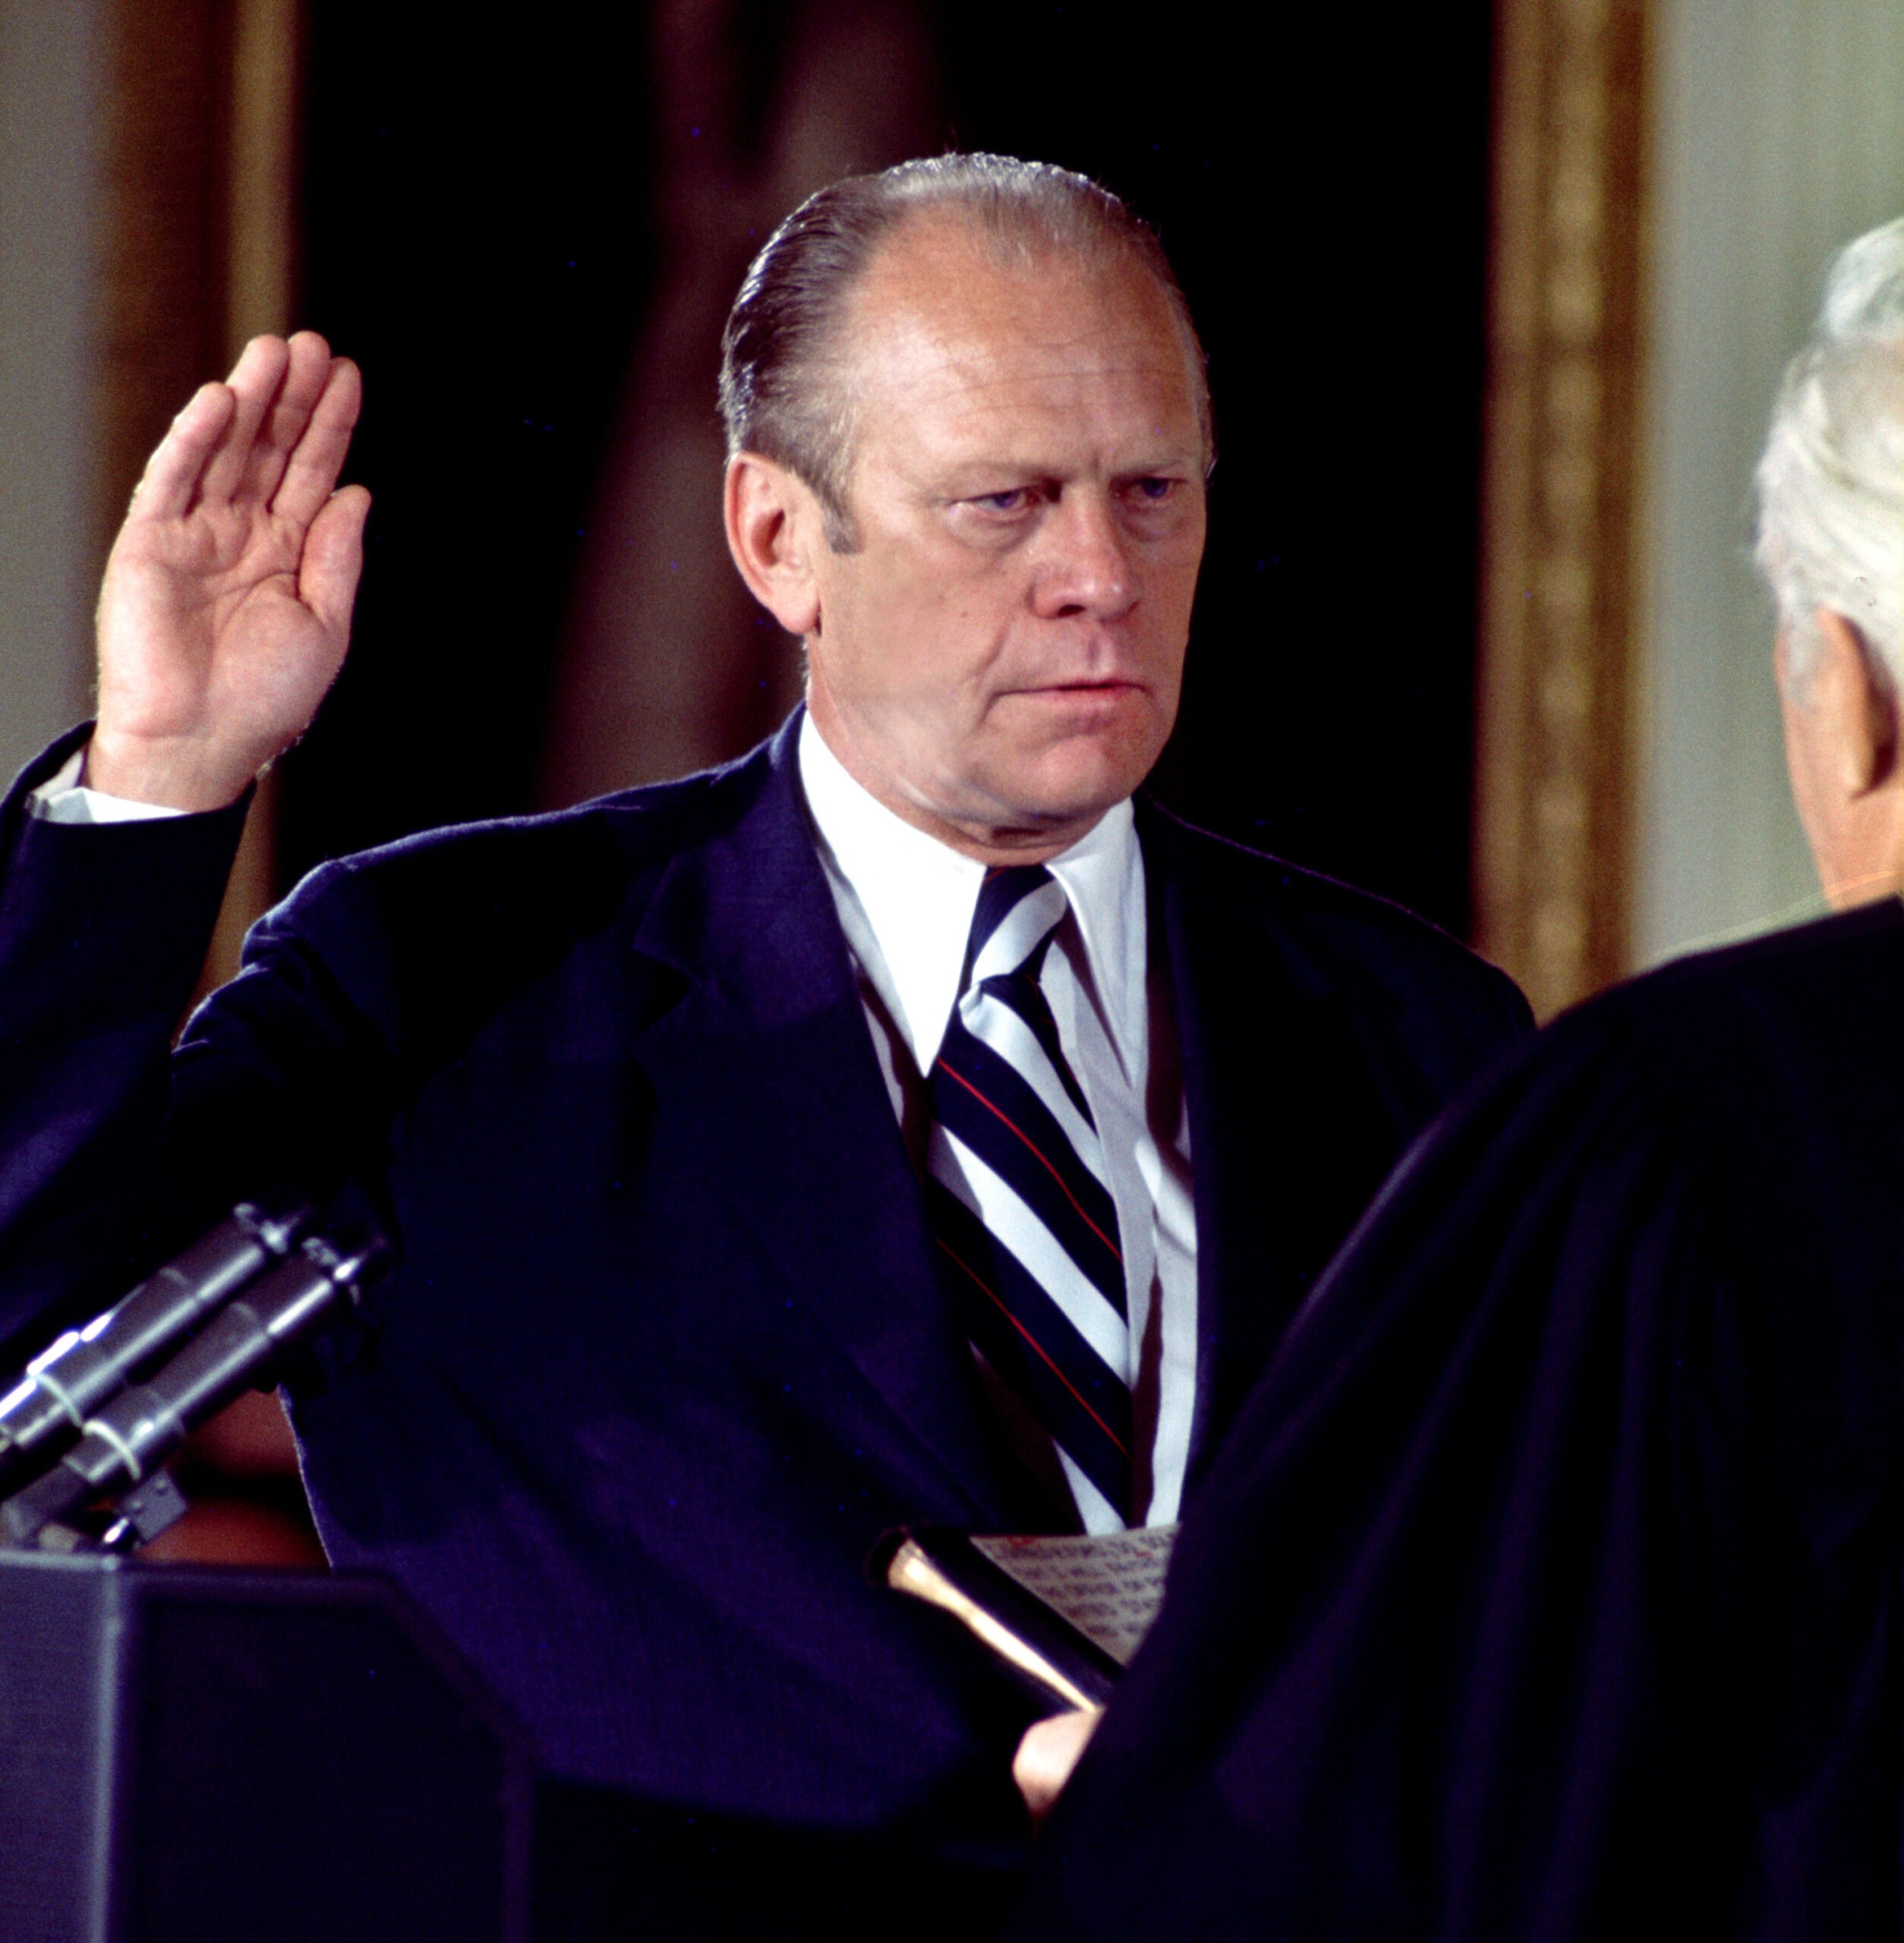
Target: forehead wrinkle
point(967, 359)
point(1070, 425)
point(1075, 395)
point(961, 280)
point(939, 319)
point(968, 372)
point(957, 331)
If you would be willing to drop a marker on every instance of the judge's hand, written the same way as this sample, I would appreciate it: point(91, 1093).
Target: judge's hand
point(225, 609)
point(1047, 1755)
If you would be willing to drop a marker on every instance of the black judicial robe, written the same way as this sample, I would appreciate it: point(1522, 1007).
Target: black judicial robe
point(1548, 1587)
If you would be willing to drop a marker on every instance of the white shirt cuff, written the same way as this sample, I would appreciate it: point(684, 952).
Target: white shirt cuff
point(62, 797)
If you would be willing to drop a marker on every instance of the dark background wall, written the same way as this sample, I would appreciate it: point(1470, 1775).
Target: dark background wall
point(493, 225)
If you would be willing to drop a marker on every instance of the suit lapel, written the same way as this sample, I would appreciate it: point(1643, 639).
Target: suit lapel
point(773, 1024)
point(1289, 1134)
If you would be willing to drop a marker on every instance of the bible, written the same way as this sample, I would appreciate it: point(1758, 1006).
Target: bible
point(1064, 1612)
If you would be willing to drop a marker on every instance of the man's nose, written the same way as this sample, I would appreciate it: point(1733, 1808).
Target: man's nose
point(1085, 565)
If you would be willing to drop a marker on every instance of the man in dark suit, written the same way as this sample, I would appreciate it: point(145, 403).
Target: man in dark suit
point(1549, 1589)
point(898, 1125)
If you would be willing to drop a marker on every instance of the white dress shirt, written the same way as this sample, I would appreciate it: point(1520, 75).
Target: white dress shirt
point(62, 797)
point(906, 902)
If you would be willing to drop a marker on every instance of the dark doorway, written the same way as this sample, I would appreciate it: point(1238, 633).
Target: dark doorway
point(480, 234)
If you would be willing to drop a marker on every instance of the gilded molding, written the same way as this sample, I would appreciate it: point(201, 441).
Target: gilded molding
point(1554, 755)
point(198, 252)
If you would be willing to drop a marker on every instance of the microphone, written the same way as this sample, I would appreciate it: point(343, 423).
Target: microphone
point(143, 1425)
point(64, 1385)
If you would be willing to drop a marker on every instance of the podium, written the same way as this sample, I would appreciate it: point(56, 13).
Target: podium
point(204, 1752)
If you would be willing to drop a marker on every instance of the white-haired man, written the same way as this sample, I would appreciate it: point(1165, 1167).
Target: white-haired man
point(1550, 1586)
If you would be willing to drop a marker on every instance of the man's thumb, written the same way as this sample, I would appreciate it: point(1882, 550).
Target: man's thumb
point(333, 557)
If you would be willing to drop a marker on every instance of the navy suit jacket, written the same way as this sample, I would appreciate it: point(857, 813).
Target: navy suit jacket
point(664, 1353)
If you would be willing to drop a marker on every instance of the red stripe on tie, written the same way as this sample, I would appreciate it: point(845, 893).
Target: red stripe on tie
point(1042, 1161)
point(1116, 1442)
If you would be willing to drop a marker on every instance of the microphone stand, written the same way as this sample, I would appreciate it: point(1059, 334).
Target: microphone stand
point(64, 1384)
point(123, 1444)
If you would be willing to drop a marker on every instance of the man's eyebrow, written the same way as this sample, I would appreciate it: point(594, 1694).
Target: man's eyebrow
point(971, 478)
point(960, 477)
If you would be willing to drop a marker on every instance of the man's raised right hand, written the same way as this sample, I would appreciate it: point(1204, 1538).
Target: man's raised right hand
point(225, 609)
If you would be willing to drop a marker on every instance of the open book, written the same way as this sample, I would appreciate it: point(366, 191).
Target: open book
point(1065, 1612)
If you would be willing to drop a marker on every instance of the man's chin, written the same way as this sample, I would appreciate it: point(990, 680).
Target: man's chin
point(1113, 711)
point(1074, 782)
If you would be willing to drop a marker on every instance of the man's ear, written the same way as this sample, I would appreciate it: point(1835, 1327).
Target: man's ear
point(773, 531)
point(1842, 751)
point(1855, 707)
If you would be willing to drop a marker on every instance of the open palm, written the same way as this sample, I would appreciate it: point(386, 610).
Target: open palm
point(225, 612)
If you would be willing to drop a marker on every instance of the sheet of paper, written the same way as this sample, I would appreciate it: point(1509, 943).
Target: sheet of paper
point(1108, 1585)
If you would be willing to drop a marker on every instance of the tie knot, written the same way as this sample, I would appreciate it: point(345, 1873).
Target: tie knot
point(1020, 906)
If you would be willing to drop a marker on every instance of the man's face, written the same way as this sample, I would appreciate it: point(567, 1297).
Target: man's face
point(1000, 659)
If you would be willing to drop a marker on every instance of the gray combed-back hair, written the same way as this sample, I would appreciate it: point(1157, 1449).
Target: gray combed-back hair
point(786, 391)
point(1831, 480)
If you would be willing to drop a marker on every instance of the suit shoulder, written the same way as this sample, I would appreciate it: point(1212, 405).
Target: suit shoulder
point(579, 868)
point(1865, 941)
point(1840, 978)
point(1332, 933)
point(417, 940)
point(1772, 1070)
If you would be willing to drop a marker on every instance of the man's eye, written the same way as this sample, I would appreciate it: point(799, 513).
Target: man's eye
point(1154, 491)
point(1012, 502)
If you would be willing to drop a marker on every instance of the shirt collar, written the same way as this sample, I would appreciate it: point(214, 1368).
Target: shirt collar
point(917, 895)
point(1102, 874)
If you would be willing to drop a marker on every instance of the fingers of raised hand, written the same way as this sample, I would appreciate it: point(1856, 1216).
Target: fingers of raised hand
point(313, 463)
point(256, 382)
point(172, 474)
point(306, 371)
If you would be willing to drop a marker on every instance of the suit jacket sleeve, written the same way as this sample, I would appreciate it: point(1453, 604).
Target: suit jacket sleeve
point(103, 929)
point(122, 1145)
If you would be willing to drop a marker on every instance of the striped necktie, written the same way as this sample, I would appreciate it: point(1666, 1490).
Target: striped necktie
point(1018, 1195)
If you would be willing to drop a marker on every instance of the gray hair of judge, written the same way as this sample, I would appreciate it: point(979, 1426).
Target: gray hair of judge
point(786, 389)
point(1831, 481)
